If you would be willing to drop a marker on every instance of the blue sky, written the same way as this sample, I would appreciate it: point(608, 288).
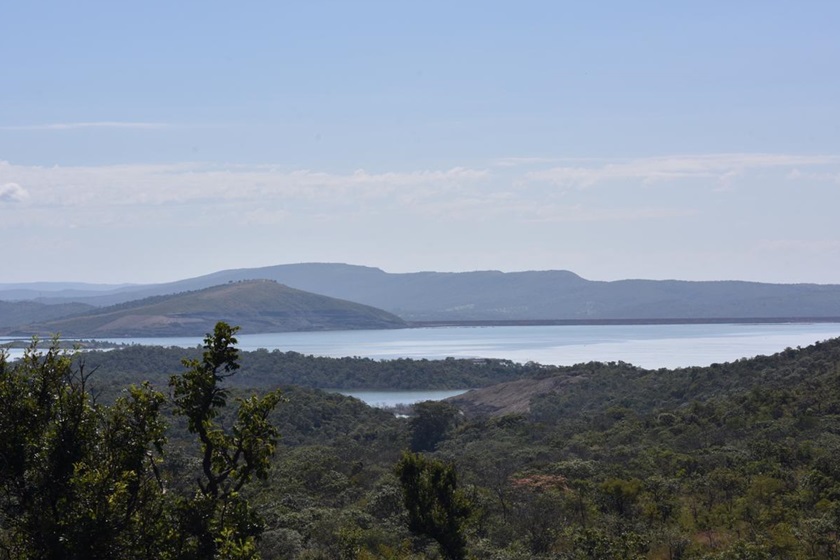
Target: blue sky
point(152, 141)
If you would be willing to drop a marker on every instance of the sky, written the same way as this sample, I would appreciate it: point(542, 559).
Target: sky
point(153, 141)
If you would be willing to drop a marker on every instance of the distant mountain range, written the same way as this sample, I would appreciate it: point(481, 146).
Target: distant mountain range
point(492, 296)
point(254, 305)
point(25, 312)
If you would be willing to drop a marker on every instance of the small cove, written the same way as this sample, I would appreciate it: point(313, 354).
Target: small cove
point(388, 399)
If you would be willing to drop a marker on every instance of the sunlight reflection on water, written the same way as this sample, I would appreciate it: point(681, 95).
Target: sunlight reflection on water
point(649, 346)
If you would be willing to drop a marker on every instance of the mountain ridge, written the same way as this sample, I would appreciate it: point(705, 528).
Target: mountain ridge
point(515, 296)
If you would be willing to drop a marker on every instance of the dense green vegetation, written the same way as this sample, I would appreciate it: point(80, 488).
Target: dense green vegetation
point(735, 460)
point(82, 480)
point(263, 368)
point(730, 461)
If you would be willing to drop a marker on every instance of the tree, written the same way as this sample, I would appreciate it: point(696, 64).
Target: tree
point(83, 480)
point(431, 422)
point(436, 508)
point(77, 479)
point(217, 519)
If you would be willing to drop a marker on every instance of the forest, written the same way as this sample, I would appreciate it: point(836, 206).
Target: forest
point(208, 452)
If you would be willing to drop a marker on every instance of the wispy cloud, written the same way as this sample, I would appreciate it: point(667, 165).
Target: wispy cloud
point(720, 167)
point(119, 185)
point(12, 192)
point(269, 194)
point(582, 214)
point(826, 177)
point(81, 125)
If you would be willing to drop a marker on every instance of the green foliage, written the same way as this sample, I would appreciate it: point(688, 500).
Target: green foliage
point(436, 508)
point(269, 369)
point(80, 479)
point(731, 461)
point(430, 423)
point(219, 521)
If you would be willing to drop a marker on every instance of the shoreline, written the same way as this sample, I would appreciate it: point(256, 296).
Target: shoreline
point(653, 321)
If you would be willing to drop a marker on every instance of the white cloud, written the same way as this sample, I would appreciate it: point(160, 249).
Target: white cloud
point(510, 189)
point(720, 167)
point(122, 195)
point(823, 177)
point(12, 192)
point(583, 214)
point(78, 125)
point(120, 185)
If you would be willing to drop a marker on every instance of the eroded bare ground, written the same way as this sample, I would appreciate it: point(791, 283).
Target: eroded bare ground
point(513, 397)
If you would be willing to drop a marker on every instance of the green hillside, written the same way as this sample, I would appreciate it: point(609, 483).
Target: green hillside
point(14, 313)
point(256, 305)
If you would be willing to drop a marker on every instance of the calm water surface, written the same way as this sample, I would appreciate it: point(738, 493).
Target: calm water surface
point(649, 346)
point(386, 399)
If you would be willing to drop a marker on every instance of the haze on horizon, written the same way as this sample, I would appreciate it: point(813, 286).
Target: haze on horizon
point(160, 141)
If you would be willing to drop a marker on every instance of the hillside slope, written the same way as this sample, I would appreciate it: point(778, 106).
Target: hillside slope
point(519, 296)
point(255, 305)
point(595, 387)
point(14, 313)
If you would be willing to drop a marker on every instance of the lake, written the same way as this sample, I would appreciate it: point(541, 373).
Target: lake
point(387, 399)
point(648, 346)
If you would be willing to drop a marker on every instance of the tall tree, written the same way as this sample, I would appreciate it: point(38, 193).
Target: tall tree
point(218, 519)
point(436, 508)
point(431, 422)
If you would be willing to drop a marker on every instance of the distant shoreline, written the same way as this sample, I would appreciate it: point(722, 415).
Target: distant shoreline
point(11, 341)
point(583, 322)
